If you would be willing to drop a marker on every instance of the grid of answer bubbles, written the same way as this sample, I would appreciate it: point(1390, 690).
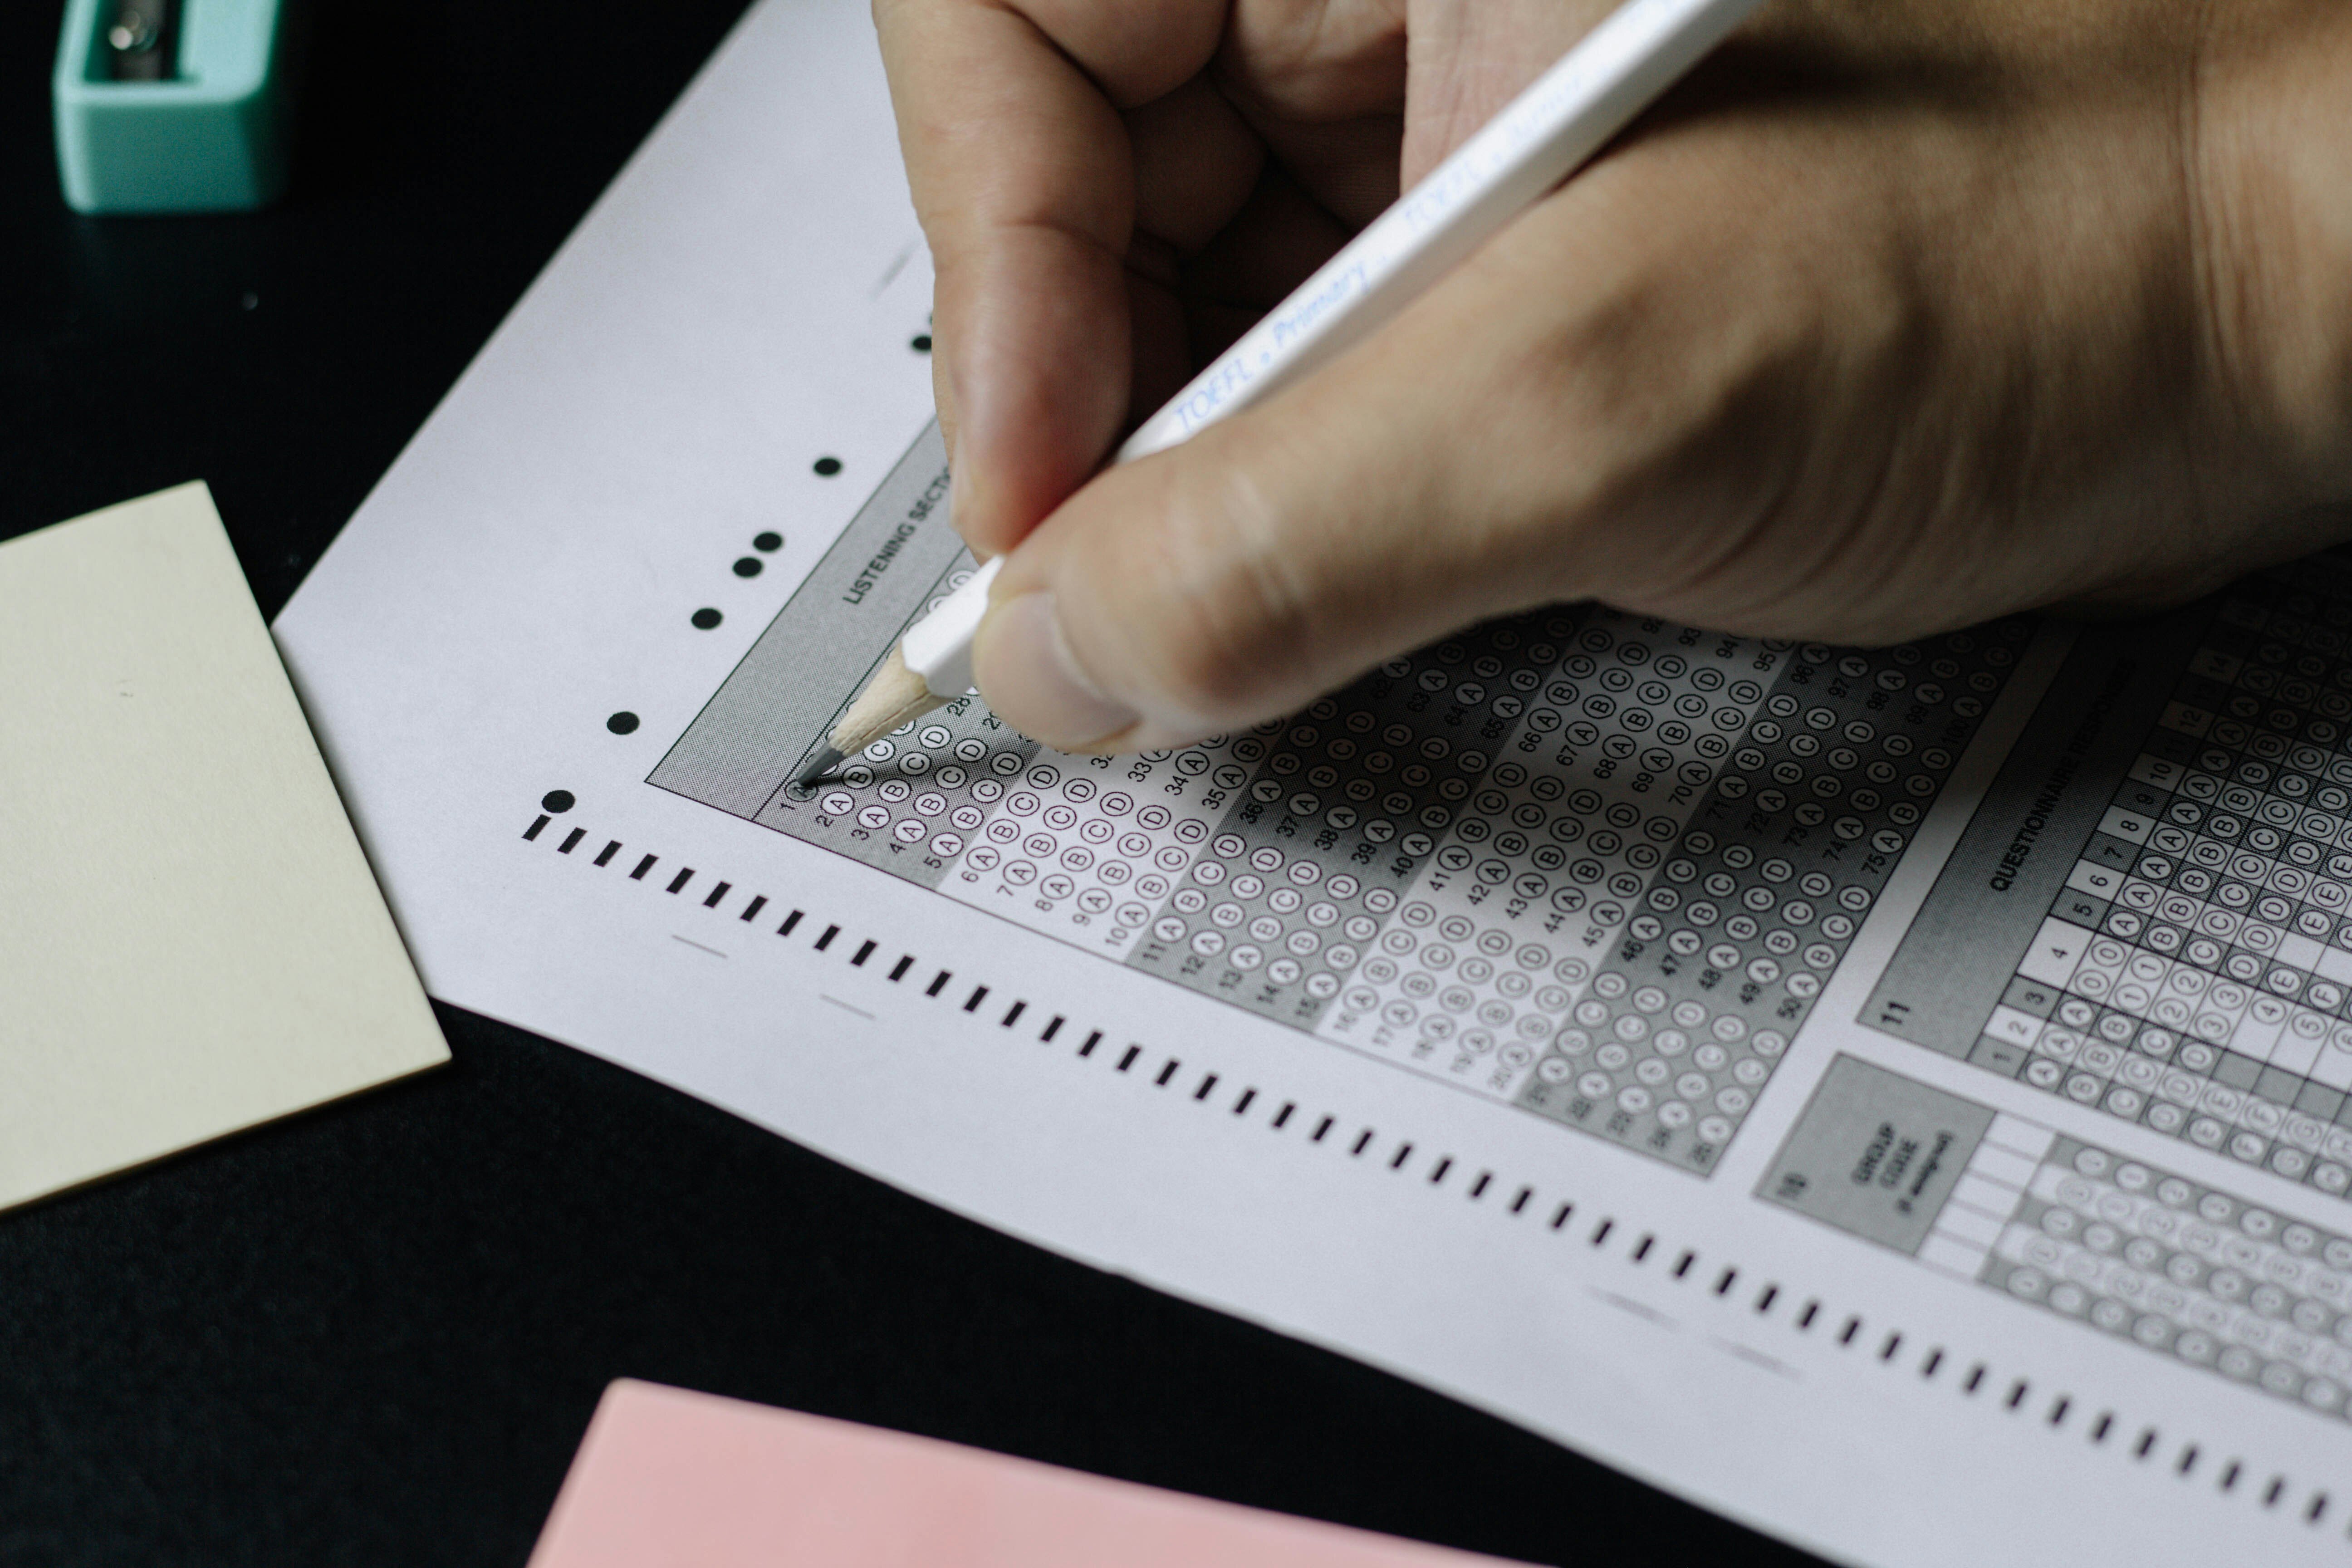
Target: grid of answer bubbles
point(1762, 892)
point(2184, 1270)
point(2195, 973)
point(1571, 846)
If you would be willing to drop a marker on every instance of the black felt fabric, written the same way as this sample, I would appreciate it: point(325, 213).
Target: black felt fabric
point(373, 1334)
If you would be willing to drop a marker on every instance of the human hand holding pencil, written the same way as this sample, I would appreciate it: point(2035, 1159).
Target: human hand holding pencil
point(1565, 115)
point(1892, 318)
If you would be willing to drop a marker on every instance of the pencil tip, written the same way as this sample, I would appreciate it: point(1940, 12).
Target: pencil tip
point(824, 762)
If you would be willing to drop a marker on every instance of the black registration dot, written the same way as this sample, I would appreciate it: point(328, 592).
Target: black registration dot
point(556, 802)
point(827, 466)
point(748, 567)
point(922, 343)
point(768, 544)
point(622, 724)
point(707, 619)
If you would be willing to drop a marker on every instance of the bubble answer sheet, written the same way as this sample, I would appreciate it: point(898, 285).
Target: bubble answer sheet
point(1896, 1098)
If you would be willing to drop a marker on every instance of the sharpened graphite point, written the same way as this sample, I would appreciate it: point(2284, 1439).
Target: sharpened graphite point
point(824, 762)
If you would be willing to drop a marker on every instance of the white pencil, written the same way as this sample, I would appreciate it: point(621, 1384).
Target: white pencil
point(1539, 139)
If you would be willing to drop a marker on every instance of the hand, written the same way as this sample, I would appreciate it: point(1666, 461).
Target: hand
point(1897, 316)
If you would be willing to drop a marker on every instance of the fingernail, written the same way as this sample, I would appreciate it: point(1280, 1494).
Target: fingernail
point(960, 514)
point(959, 502)
point(1024, 662)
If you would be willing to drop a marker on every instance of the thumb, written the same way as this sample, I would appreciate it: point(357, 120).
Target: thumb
point(1267, 561)
point(1612, 399)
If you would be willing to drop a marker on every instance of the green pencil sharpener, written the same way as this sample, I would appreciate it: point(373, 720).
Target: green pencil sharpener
point(173, 106)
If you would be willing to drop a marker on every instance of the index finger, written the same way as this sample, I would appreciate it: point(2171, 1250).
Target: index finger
point(1023, 177)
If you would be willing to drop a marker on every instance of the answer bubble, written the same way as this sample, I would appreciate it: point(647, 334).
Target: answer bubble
point(706, 619)
point(622, 724)
point(768, 544)
point(748, 566)
point(556, 802)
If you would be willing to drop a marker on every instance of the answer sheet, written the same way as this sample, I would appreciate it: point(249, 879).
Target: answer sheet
point(1896, 1098)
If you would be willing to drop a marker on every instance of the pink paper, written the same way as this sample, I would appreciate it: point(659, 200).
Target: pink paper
point(667, 1478)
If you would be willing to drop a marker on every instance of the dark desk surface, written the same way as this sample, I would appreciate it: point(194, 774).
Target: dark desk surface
point(374, 1334)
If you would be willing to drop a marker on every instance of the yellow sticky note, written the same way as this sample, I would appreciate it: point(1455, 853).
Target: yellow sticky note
point(191, 942)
